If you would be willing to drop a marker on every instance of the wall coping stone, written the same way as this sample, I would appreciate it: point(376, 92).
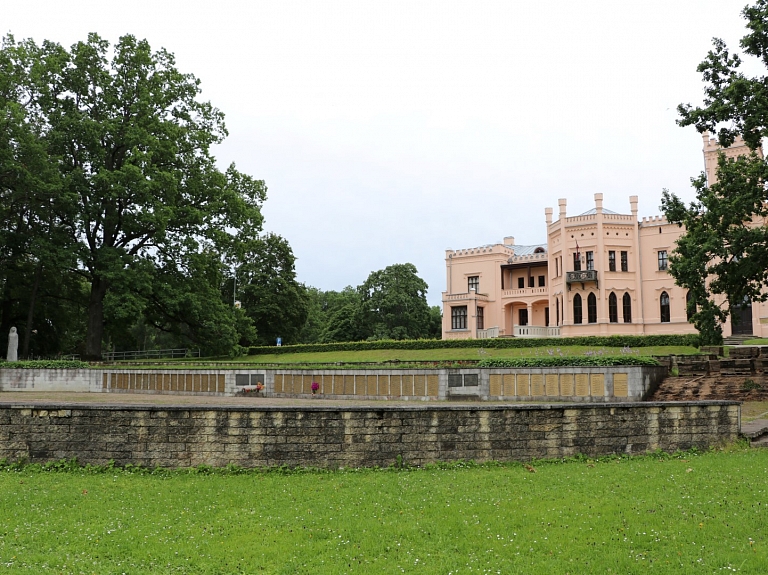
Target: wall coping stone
point(362, 408)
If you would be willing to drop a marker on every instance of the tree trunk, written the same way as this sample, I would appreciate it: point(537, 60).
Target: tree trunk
point(31, 312)
point(95, 319)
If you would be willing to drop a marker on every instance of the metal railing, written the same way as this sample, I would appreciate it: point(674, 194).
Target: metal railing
point(150, 354)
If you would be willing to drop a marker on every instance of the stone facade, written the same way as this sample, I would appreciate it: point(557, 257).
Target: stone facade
point(332, 437)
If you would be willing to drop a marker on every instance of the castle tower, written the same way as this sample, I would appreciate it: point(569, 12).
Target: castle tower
point(712, 148)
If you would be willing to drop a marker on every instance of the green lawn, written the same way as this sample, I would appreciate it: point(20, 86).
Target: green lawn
point(685, 514)
point(385, 355)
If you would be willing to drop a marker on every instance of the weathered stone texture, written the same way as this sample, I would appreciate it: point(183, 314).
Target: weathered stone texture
point(354, 437)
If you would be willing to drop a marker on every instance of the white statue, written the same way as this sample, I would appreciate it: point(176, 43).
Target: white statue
point(13, 345)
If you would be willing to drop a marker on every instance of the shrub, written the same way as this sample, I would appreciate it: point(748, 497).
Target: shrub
point(44, 364)
point(631, 341)
point(566, 361)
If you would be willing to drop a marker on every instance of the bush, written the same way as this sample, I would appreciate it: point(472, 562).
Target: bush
point(497, 343)
point(566, 361)
point(44, 364)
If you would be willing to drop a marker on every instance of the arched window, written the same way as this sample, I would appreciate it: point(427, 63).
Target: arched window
point(613, 308)
point(557, 311)
point(690, 308)
point(664, 307)
point(577, 308)
point(591, 308)
point(627, 305)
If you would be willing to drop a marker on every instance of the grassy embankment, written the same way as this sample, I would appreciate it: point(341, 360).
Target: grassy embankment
point(684, 514)
point(382, 356)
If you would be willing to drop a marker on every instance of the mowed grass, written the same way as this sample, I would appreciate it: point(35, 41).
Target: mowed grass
point(381, 355)
point(683, 514)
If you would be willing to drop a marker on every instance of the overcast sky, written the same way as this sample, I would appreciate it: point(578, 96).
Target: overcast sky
point(388, 132)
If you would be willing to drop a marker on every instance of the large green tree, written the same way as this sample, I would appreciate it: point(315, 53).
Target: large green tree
point(136, 190)
point(394, 303)
point(724, 250)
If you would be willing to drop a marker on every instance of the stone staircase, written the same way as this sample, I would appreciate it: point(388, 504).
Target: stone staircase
point(737, 339)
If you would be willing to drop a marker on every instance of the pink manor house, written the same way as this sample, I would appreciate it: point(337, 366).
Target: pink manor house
point(600, 273)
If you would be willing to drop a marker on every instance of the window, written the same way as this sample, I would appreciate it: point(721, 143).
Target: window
point(541, 281)
point(591, 308)
point(624, 262)
point(613, 308)
point(557, 269)
point(577, 308)
point(690, 308)
point(664, 307)
point(627, 305)
point(557, 311)
point(590, 260)
point(459, 317)
point(523, 316)
point(576, 262)
point(546, 316)
point(611, 261)
point(521, 283)
point(663, 260)
point(480, 319)
point(530, 281)
point(473, 283)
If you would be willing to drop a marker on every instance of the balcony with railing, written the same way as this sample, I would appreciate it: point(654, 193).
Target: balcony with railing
point(532, 331)
point(582, 277)
point(525, 292)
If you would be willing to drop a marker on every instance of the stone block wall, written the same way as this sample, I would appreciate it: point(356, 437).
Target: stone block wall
point(354, 437)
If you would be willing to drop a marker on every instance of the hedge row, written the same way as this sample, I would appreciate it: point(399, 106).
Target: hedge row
point(496, 343)
point(566, 361)
point(44, 364)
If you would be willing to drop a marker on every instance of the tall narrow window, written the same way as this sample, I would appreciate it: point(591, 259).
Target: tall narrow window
point(459, 317)
point(480, 318)
point(613, 308)
point(624, 262)
point(576, 262)
point(531, 281)
point(473, 283)
point(577, 308)
point(557, 273)
point(546, 317)
point(523, 316)
point(664, 307)
point(627, 305)
point(611, 261)
point(521, 282)
point(663, 260)
point(591, 308)
point(542, 281)
point(590, 260)
point(557, 311)
point(690, 308)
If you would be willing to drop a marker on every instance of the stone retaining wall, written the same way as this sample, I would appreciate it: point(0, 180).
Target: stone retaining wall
point(353, 437)
point(582, 384)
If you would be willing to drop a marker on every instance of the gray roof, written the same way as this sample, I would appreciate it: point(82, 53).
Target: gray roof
point(527, 250)
point(593, 211)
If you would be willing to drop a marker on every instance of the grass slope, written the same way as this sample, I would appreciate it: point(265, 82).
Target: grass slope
point(684, 514)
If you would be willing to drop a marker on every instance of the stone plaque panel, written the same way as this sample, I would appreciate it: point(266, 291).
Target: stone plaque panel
point(394, 385)
point(620, 385)
point(349, 385)
point(597, 383)
point(383, 385)
point(419, 385)
point(566, 384)
point(524, 384)
point(552, 387)
point(407, 385)
point(537, 384)
point(495, 387)
point(582, 384)
point(433, 385)
point(508, 387)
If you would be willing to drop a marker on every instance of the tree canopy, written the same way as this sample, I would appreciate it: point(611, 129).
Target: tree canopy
point(108, 186)
point(724, 250)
